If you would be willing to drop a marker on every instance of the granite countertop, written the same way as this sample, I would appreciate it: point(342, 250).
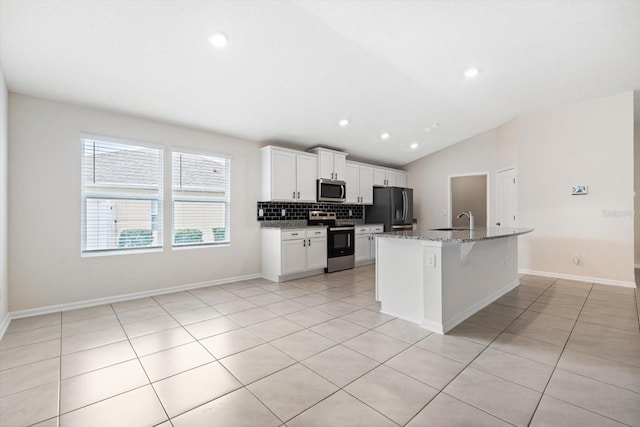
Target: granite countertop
point(291, 226)
point(457, 236)
point(302, 224)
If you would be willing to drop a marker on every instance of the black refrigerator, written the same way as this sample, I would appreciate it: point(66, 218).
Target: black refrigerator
point(393, 207)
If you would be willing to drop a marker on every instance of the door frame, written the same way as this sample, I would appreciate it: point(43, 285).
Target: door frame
point(515, 170)
point(449, 202)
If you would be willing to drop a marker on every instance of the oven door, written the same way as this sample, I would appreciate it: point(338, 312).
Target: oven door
point(340, 241)
point(331, 191)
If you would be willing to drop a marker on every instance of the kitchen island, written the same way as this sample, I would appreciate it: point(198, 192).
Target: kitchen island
point(439, 278)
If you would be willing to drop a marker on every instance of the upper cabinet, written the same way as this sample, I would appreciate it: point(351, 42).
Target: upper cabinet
point(359, 179)
point(389, 178)
point(331, 163)
point(288, 175)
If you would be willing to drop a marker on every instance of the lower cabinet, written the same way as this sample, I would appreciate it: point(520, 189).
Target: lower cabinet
point(366, 243)
point(288, 254)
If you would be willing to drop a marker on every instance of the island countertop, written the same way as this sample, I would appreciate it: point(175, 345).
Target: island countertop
point(457, 235)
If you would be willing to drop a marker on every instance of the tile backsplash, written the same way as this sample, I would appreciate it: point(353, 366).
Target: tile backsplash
point(300, 211)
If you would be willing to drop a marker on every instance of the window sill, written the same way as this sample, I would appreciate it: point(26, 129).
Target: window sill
point(111, 252)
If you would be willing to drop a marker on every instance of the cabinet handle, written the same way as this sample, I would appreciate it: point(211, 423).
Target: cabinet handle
point(294, 234)
point(304, 243)
point(298, 194)
point(294, 194)
point(336, 175)
point(309, 242)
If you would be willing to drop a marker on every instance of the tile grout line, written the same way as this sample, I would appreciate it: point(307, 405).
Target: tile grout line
point(441, 391)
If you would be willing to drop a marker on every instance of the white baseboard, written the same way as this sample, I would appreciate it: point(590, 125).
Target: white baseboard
point(598, 280)
point(118, 298)
point(461, 317)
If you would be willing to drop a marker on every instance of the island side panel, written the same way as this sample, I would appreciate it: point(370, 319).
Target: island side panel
point(399, 278)
point(475, 279)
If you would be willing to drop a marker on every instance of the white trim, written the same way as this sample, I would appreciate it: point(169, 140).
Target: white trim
point(123, 141)
point(637, 266)
point(461, 317)
point(597, 280)
point(5, 324)
point(118, 298)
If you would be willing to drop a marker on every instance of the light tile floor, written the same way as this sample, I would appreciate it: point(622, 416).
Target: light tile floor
point(317, 352)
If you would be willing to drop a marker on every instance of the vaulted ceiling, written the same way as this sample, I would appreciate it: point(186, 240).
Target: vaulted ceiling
point(292, 69)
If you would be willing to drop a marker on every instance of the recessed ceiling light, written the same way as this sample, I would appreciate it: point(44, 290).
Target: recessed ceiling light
point(384, 135)
point(414, 145)
point(219, 39)
point(343, 123)
point(471, 73)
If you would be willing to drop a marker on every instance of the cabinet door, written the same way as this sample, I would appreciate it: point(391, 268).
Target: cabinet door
point(401, 179)
point(306, 178)
point(325, 165)
point(391, 179)
point(294, 256)
point(352, 179)
point(379, 176)
point(362, 249)
point(283, 175)
point(339, 166)
point(366, 185)
point(316, 253)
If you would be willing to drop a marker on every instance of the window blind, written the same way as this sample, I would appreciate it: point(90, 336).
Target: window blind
point(121, 196)
point(200, 192)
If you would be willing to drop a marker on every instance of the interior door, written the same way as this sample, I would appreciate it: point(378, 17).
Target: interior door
point(507, 198)
point(469, 193)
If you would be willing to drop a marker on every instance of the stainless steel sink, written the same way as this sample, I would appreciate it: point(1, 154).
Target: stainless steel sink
point(450, 229)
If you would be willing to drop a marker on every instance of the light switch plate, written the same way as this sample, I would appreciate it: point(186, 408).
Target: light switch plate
point(284, 212)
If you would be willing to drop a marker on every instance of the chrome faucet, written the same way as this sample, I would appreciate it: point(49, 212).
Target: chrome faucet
point(468, 215)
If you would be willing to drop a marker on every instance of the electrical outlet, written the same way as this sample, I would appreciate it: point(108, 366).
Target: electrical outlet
point(350, 212)
point(284, 212)
point(576, 259)
point(260, 212)
point(431, 260)
point(444, 212)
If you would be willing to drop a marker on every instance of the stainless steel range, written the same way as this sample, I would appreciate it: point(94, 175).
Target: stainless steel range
point(340, 241)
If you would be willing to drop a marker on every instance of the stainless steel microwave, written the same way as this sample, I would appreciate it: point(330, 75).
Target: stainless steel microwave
point(333, 191)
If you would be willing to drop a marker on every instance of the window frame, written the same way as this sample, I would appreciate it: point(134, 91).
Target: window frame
point(226, 201)
point(102, 195)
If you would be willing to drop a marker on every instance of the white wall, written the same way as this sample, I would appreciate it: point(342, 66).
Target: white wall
point(429, 176)
point(590, 143)
point(4, 292)
point(44, 209)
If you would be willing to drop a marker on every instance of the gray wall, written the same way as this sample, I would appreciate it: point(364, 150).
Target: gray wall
point(469, 193)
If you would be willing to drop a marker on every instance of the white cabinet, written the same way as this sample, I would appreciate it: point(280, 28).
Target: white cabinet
point(289, 254)
point(359, 179)
point(288, 175)
point(389, 177)
point(365, 250)
point(331, 164)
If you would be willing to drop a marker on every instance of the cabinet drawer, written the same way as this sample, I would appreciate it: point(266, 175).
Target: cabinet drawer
point(316, 232)
point(293, 234)
point(362, 230)
point(377, 229)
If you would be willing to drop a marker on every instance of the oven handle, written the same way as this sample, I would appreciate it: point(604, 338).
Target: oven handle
point(343, 190)
point(341, 228)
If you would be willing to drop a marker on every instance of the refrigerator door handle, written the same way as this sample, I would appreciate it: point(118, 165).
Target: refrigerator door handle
point(404, 205)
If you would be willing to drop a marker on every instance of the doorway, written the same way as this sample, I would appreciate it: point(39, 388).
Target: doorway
point(469, 193)
point(506, 198)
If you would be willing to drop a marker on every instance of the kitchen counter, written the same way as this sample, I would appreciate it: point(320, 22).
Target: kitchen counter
point(292, 227)
point(458, 236)
point(438, 279)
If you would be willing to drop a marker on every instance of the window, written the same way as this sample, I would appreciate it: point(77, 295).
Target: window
point(121, 195)
point(200, 198)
